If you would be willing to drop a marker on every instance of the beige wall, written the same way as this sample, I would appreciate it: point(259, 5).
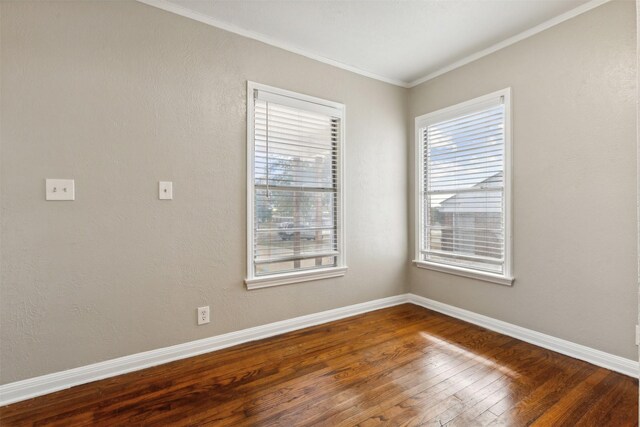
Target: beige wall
point(574, 179)
point(120, 95)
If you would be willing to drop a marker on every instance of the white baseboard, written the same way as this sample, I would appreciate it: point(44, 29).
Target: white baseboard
point(33, 387)
point(600, 358)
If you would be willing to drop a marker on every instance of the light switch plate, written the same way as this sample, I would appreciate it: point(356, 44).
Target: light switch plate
point(165, 190)
point(60, 189)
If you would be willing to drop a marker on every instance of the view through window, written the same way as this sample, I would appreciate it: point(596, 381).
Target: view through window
point(295, 185)
point(463, 186)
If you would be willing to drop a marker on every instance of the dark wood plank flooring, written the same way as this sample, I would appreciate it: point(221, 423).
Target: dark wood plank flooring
point(400, 366)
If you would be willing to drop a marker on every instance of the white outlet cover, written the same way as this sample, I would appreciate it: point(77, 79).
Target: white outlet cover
point(60, 189)
point(203, 315)
point(165, 190)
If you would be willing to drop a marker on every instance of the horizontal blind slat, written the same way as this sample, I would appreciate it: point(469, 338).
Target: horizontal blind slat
point(474, 153)
point(486, 132)
point(296, 188)
point(467, 143)
point(462, 120)
point(472, 124)
point(463, 197)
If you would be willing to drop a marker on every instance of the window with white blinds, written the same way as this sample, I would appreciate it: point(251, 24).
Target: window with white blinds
point(464, 186)
point(295, 191)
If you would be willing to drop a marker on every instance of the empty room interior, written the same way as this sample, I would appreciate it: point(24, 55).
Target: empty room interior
point(319, 212)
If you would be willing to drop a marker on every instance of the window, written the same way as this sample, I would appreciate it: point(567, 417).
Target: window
point(295, 191)
point(463, 185)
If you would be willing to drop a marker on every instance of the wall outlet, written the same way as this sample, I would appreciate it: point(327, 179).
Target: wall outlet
point(203, 315)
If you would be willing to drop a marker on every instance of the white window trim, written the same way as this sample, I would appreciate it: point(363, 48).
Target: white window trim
point(455, 110)
point(257, 282)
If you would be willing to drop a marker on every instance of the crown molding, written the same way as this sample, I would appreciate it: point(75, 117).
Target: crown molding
point(511, 40)
point(187, 13)
point(197, 16)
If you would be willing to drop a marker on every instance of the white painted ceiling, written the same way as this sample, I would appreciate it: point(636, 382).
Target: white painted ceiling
point(396, 40)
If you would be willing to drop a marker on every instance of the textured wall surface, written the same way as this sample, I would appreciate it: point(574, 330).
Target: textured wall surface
point(574, 176)
point(638, 162)
point(120, 95)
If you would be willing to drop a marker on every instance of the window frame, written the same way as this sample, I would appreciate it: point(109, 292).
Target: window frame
point(445, 114)
point(263, 281)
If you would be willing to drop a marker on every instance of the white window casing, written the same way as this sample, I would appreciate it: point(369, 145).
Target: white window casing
point(295, 187)
point(463, 189)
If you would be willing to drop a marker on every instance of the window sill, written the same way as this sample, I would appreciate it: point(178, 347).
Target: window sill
point(298, 277)
point(458, 271)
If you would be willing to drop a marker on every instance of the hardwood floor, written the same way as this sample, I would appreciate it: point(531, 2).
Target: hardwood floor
point(399, 366)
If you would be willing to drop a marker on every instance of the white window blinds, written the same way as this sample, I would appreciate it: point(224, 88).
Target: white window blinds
point(463, 188)
point(296, 184)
